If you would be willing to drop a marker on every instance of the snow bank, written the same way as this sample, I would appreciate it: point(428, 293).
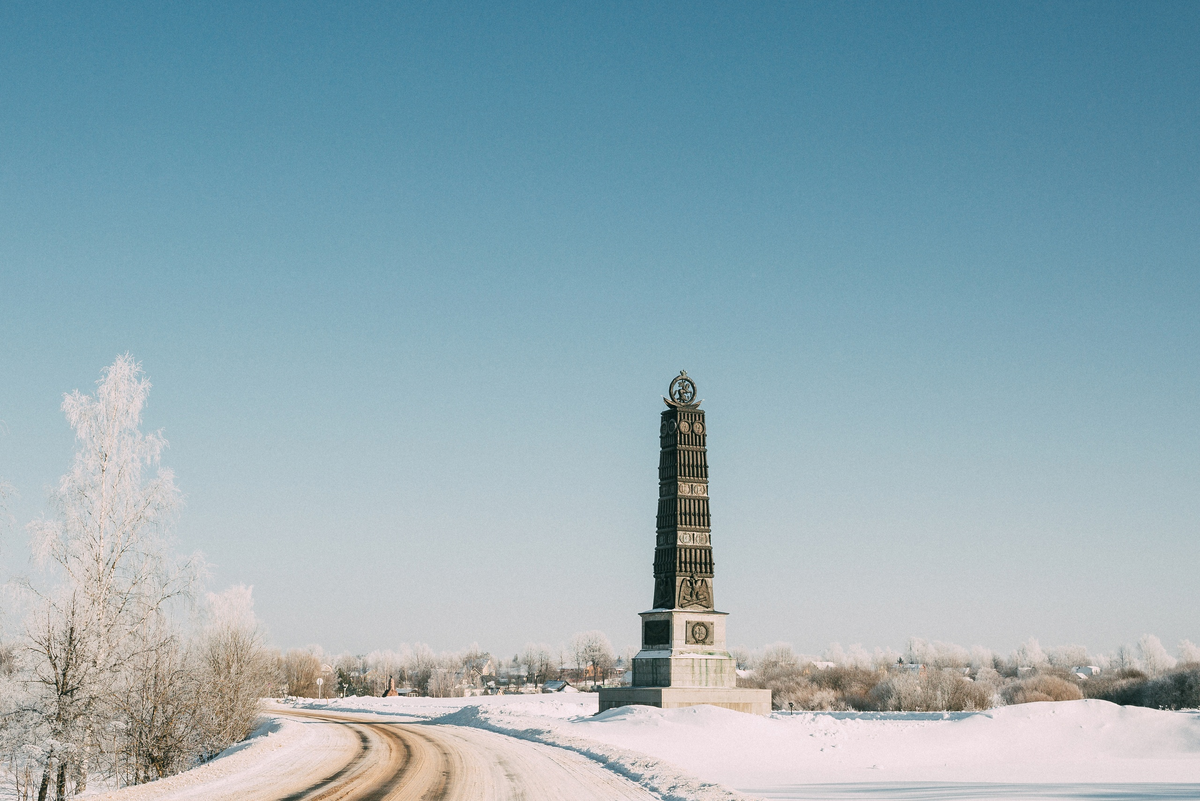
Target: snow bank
point(542, 719)
point(1065, 743)
point(276, 744)
point(1042, 743)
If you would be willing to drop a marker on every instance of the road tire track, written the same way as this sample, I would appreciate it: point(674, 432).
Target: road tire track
point(429, 762)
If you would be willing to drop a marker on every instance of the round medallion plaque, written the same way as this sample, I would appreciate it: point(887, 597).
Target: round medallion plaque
point(700, 632)
point(684, 427)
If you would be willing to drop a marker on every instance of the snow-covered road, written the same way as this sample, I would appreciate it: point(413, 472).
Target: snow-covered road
point(327, 755)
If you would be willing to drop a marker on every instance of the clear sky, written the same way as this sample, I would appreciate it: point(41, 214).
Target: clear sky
point(410, 280)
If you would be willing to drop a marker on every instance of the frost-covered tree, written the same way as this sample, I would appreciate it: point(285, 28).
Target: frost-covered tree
point(538, 661)
point(593, 655)
point(379, 667)
point(1189, 653)
point(1029, 654)
point(1124, 658)
point(936, 654)
point(1068, 656)
point(236, 669)
point(982, 658)
point(1153, 656)
point(419, 664)
point(111, 573)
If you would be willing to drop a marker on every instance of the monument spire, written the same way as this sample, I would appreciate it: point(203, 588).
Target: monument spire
point(683, 563)
point(684, 660)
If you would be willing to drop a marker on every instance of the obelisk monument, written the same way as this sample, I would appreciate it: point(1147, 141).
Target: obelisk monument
point(684, 660)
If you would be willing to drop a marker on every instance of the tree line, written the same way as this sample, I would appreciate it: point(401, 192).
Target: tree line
point(938, 676)
point(587, 661)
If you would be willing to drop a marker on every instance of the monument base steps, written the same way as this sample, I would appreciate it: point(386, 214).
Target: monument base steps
point(739, 699)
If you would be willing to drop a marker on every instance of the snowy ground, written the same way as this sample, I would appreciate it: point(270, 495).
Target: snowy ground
point(1073, 749)
point(281, 756)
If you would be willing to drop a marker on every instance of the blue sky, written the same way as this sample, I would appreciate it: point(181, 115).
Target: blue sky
point(410, 281)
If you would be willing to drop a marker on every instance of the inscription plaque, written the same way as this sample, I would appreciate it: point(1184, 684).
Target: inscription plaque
point(656, 632)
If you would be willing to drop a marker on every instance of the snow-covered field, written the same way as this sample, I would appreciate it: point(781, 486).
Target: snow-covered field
point(1072, 749)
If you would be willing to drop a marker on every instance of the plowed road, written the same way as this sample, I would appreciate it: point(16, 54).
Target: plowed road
point(358, 758)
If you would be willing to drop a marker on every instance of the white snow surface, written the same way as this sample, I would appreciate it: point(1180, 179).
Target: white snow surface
point(1070, 749)
point(279, 750)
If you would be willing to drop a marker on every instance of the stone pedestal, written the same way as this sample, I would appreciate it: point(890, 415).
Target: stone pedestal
point(683, 662)
point(739, 699)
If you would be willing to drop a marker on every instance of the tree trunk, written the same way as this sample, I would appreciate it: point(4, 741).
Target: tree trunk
point(81, 776)
point(61, 793)
point(45, 782)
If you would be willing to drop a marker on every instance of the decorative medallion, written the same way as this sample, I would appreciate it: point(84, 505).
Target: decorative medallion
point(685, 489)
point(699, 633)
point(684, 427)
point(670, 426)
point(682, 392)
point(698, 428)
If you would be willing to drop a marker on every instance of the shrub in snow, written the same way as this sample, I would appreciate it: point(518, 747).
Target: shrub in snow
point(1041, 687)
point(797, 683)
point(932, 691)
point(233, 670)
point(1179, 689)
point(300, 670)
point(851, 685)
